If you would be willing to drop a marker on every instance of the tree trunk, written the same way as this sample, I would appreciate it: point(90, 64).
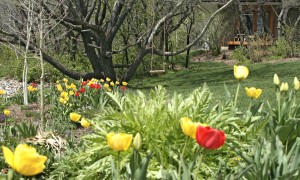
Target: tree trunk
point(133, 67)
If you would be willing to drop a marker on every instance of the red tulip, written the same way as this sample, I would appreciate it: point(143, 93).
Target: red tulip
point(123, 88)
point(92, 86)
point(83, 83)
point(33, 85)
point(77, 94)
point(82, 90)
point(97, 86)
point(210, 138)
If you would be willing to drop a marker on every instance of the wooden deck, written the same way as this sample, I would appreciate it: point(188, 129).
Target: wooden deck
point(233, 44)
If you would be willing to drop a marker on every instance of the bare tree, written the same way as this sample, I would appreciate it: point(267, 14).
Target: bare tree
point(287, 5)
point(97, 24)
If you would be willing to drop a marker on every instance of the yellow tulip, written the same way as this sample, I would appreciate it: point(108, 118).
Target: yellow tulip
point(59, 87)
point(73, 86)
point(296, 84)
point(25, 160)
point(65, 80)
point(107, 79)
point(117, 82)
point(276, 80)
point(106, 85)
point(2, 91)
point(112, 83)
point(124, 83)
point(188, 127)
point(241, 72)
point(84, 123)
point(253, 92)
point(120, 141)
point(71, 93)
point(284, 87)
point(75, 117)
point(64, 94)
point(31, 88)
point(62, 100)
point(6, 112)
point(102, 80)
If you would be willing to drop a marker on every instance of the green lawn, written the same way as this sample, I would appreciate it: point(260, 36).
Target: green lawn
point(216, 74)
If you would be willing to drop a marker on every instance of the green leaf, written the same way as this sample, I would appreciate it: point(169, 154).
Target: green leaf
point(141, 172)
point(135, 160)
point(256, 107)
point(227, 93)
point(114, 171)
point(186, 173)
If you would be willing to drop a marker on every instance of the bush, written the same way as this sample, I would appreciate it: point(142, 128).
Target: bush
point(240, 54)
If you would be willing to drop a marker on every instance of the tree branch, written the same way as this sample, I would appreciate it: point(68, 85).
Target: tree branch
point(162, 20)
point(212, 17)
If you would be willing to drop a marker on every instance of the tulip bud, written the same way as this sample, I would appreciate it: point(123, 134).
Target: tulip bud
point(276, 80)
point(284, 87)
point(137, 141)
point(296, 84)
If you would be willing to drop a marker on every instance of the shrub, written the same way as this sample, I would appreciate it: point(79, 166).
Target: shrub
point(240, 54)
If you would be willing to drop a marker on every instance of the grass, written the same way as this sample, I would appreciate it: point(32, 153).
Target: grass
point(215, 75)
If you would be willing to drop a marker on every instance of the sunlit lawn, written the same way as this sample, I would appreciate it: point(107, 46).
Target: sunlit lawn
point(217, 74)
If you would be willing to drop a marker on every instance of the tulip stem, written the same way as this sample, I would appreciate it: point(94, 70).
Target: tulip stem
point(118, 165)
point(199, 163)
point(278, 107)
point(236, 96)
point(251, 102)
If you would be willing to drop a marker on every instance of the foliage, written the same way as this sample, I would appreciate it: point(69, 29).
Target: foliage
point(262, 137)
point(240, 54)
point(144, 113)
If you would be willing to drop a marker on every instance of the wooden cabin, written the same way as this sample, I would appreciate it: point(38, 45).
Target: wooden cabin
point(257, 19)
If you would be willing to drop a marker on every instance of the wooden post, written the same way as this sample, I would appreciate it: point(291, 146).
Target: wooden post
point(255, 20)
point(272, 21)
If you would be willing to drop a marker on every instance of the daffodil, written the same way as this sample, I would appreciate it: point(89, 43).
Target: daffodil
point(120, 141)
point(75, 117)
point(2, 91)
point(276, 80)
point(188, 127)
point(25, 160)
point(241, 72)
point(6, 112)
point(253, 92)
point(84, 123)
